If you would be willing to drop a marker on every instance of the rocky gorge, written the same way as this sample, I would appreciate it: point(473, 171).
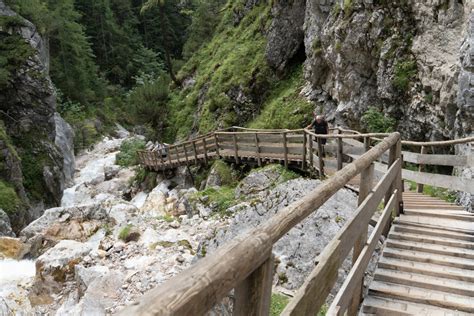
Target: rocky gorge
point(109, 243)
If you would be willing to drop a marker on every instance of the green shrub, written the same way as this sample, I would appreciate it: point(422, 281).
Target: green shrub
point(405, 71)
point(225, 172)
point(9, 200)
point(376, 122)
point(278, 303)
point(441, 193)
point(127, 234)
point(223, 197)
point(128, 155)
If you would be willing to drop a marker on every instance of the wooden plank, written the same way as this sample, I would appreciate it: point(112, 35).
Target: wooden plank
point(440, 180)
point(355, 277)
point(312, 294)
point(253, 295)
point(285, 146)
point(438, 160)
point(311, 157)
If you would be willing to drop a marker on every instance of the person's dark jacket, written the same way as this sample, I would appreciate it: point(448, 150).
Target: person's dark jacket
point(320, 128)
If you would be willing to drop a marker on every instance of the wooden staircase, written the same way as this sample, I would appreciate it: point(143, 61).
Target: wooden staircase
point(427, 266)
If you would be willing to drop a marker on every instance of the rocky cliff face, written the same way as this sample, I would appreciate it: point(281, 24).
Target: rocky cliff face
point(401, 57)
point(465, 114)
point(35, 140)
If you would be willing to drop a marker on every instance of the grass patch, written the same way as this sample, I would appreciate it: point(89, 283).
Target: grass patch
point(128, 155)
point(127, 234)
point(233, 60)
point(167, 218)
point(284, 107)
point(222, 197)
point(441, 193)
point(278, 303)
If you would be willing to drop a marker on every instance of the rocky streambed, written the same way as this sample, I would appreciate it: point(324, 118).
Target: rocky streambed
point(108, 244)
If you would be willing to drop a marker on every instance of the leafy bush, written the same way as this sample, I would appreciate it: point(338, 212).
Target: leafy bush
point(228, 177)
point(223, 197)
point(376, 122)
point(405, 71)
point(9, 200)
point(128, 155)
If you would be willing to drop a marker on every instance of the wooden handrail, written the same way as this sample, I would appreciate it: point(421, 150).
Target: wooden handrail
point(197, 289)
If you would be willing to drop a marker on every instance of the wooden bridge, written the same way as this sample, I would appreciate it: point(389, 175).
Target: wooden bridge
point(427, 265)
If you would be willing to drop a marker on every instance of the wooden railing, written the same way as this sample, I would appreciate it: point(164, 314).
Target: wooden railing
point(246, 263)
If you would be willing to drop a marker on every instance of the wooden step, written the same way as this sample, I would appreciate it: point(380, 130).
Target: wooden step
point(443, 223)
point(431, 248)
point(402, 228)
point(422, 296)
point(430, 269)
point(429, 258)
point(440, 214)
point(394, 307)
point(431, 240)
point(424, 281)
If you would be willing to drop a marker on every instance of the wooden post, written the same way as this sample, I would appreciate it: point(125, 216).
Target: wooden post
point(185, 154)
point(339, 154)
point(304, 150)
point(205, 151)
point(177, 153)
point(365, 186)
point(253, 295)
point(217, 145)
point(320, 157)
point(399, 181)
point(236, 149)
point(257, 145)
point(367, 143)
point(195, 152)
point(421, 168)
point(160, 153)
point(392, 156)
point(311, 159)
point(285, 147)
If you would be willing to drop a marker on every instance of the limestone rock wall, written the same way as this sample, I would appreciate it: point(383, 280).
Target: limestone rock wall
point(39, 141)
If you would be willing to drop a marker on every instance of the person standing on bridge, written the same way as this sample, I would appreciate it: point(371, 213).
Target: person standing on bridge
point(320, 126)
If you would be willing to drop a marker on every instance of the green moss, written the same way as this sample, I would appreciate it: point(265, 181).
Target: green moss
point(284, 107)
point(405, 71)
point(128, 155)
point(278, 303)
point(9, 200)
point(167, 218)
point(285, 174)
point(233, 59)
point(323, 310)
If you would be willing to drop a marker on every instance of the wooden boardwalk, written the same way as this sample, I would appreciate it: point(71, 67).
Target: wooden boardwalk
point(427, 266)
